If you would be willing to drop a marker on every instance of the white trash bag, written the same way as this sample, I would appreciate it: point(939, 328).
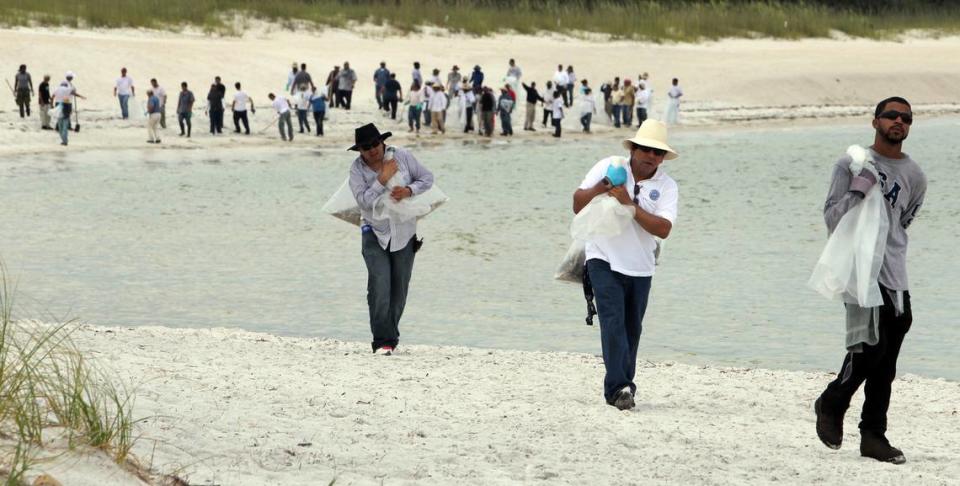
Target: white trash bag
point(850, 263)
point(571, 268)
point(604, 216)
point(343, 205)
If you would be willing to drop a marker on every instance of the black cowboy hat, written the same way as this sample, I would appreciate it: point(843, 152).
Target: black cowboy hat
point(368, 135)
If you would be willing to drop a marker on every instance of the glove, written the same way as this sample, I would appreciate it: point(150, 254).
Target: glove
point(862, 182)
point(616, 176)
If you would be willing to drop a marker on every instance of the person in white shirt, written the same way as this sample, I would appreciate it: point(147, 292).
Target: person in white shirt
point(438, 105)
point(282, 105)
point(588, 108)
point(123, 90)
point(239, 107)
point(619, 269)
point(302, 102)
point(557, 112)
point(571, 83)
point(160, 93)
point(560, 82)
point(415, 106)
point(643, 102)
point(673, 104)
point(469, 106)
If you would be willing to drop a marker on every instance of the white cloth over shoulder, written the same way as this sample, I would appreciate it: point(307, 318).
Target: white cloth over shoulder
point(603, 216)
point(849, 266)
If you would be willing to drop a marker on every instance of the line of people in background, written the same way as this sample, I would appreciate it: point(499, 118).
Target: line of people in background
point(426, 103)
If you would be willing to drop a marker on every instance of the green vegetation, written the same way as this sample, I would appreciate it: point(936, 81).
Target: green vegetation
point(48, 387)
point(690, 20)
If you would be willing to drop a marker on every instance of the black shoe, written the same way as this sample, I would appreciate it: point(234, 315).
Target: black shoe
point(623, 400)
point(829, 427)
point(876, 446)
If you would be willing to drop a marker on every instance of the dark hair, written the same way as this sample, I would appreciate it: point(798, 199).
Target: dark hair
point(23, 66)
point(153, 80)
point(883, 104)
point(303, 66)
point(416, 65)
point(587, 91)
point(383, 64)
point(393, 75)
point(237, 85)
point(183, 84)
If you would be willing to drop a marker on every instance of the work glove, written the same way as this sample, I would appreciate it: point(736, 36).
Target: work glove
point(862, 182)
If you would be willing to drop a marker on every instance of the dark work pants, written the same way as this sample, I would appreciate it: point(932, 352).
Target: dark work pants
point(216, 121)
point(876, 365)
point(391, 105)
point(556, 126)
point(641, 116)
point(621, 304)
point(585, 121)
point(184, 120)
point(302, 120)
point(388, 280)
point(318, 119)
point(344, 98)
point(468, 127)
point(547, 114)
point(241, 116)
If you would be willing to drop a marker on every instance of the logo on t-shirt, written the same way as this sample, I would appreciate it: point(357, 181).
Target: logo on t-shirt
point(654, 195)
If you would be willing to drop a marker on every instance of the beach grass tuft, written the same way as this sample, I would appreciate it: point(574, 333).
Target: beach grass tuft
point(692, 20)
point(50, 390)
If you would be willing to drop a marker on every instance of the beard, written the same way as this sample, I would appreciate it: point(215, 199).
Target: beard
point(891, 138)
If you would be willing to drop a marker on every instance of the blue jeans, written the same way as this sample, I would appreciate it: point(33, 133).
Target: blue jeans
point(505, 123)
point(413, 116)
point(388, 280)
point(616, 115)
point(123, 105)
point(585, 121)
point(627, 115)
point(63, 124)
point(621, 303)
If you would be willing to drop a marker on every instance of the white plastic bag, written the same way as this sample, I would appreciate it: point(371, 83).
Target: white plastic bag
point(571, 268)
point(343, 205)
point(385, 207)
point(850, 263)
point(604, 216)
point(56, 112)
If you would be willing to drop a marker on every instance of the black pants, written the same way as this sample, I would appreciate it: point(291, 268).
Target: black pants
point(241, 116)
point(876, 365)
point(184, 119)
point(468, 127)
point(216, 121)
point(302, 120)
point(318, 119)
point(546, 116)
point(391, 105)
point(556, 126)
point(344, 97)
point(641, 116)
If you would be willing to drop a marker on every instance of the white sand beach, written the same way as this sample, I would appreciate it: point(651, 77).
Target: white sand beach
point(725, 82)
point(230, 407)
point(237, 408)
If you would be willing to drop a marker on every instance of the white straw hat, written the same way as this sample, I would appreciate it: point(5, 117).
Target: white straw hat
point(652, 133)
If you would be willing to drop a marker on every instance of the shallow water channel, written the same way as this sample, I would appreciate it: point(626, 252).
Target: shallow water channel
point(236, 239)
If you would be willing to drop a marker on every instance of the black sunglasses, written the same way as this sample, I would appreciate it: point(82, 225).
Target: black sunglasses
point(906, 116)
point(656, 151)
point(366, 147)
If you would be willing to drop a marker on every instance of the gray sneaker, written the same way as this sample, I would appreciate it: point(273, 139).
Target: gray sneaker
point(624, 399)
point(876, 446)
point(829, 426)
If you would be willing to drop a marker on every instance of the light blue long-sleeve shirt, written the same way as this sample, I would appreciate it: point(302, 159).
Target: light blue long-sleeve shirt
point(367, 189)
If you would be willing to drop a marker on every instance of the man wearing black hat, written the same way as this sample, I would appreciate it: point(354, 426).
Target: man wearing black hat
point(388, 246)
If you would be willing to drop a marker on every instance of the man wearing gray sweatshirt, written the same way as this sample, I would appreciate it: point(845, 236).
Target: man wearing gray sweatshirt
point(873, 359)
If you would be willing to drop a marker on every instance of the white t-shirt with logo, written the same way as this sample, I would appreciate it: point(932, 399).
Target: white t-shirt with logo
point(125, 85)
point(240, 100)
point(280, 104)
point(631, 253)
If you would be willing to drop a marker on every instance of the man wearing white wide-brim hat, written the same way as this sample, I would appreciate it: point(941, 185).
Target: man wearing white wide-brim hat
point(620, 268)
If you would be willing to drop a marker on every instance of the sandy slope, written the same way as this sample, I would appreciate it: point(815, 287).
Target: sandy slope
point(240, 408)
point(727, 81)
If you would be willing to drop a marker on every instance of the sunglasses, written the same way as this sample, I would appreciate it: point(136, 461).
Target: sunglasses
point(906, 116)
point(368, 147)
point(656, 151)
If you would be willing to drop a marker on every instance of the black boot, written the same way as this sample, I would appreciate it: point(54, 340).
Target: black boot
point(829, 426)
point(876, 446)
